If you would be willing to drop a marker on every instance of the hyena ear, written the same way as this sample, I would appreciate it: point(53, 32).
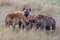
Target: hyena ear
point(30, 9)
point(23, 9)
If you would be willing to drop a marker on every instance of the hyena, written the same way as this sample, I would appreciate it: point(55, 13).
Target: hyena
point(46, 22)
point(15, 18)
point(32, 21)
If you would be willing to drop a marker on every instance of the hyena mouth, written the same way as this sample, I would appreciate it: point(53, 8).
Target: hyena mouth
point(26, 14)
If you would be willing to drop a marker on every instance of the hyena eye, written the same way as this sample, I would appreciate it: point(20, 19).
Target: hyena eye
point(23, 9)
point(29, 9)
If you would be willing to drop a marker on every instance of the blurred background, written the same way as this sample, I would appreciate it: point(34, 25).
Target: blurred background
point(46, 7)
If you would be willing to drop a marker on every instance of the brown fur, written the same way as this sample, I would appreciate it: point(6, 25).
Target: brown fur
point(8, 19)
point(18, 15)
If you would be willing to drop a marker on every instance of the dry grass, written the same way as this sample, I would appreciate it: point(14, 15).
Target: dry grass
point(45, 7)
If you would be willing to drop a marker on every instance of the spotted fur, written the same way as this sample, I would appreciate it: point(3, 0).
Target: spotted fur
point(14, 18)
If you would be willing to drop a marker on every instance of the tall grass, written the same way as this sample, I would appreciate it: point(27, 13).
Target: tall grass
point(46, 7)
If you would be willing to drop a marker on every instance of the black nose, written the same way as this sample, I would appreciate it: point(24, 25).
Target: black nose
point(26, 14)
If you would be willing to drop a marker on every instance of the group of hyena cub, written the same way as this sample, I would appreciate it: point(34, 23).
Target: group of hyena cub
point(27, 20)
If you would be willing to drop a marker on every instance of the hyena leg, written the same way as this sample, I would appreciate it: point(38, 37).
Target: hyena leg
point(42, 27)
point(6, 23)
point(13, 25)
point(53, 27)
point(23, 27)
point(47, 28)
point(13, 28)
point(20, 23)
point(37, 26)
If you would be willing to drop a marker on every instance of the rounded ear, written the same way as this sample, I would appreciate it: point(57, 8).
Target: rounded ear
point(23, 9)
point(29, 9)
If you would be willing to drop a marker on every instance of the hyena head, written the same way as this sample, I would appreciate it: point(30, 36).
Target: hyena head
point(27, 11)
